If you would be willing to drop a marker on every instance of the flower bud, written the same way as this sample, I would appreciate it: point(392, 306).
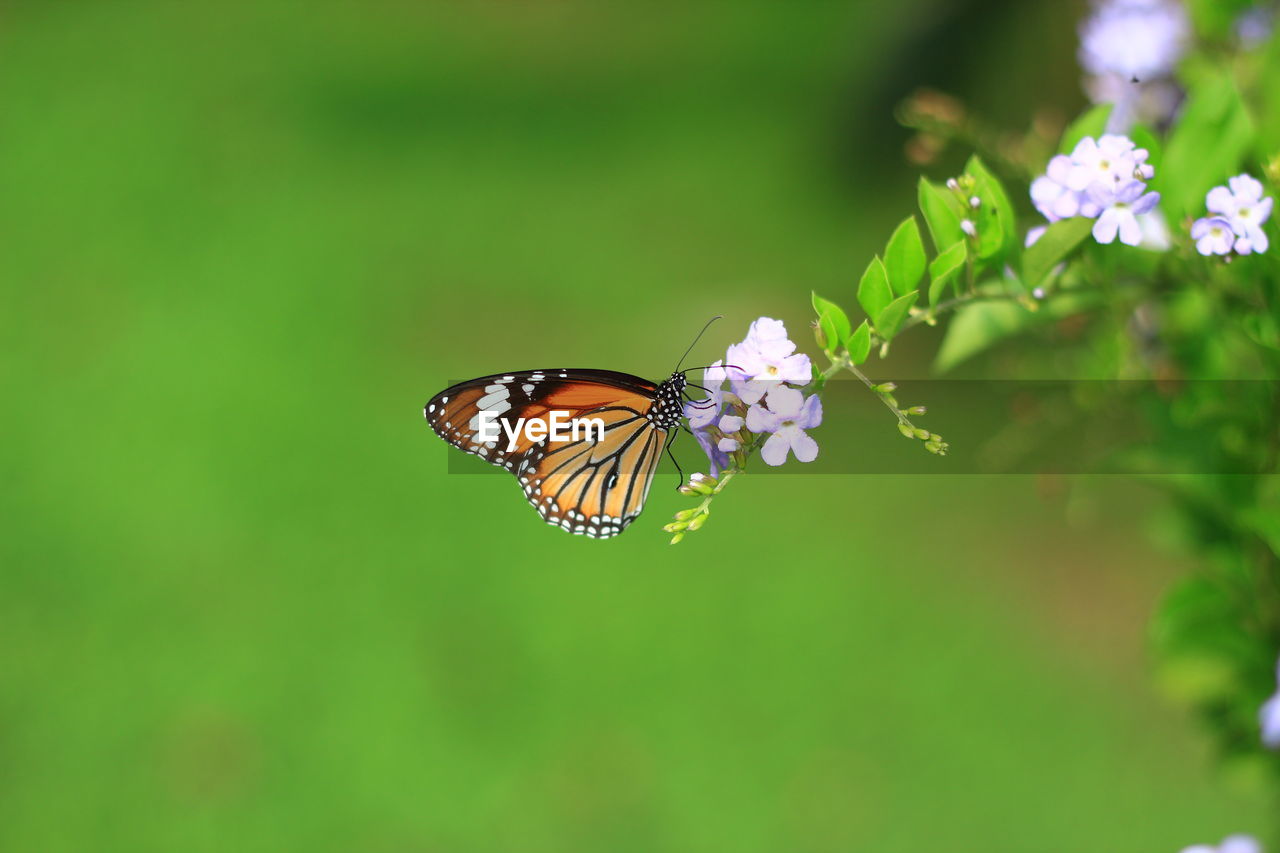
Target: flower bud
point(917, 410)
point(675, 526)
point(820, 336)
point(975, 202)
point(906, 430)
point(675, 540)
point(922, 434)
point(967, 226)
point(686, 514)
point(885, 388)
point(699, 521)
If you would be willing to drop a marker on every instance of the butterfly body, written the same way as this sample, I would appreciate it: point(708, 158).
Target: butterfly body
point(594, 485)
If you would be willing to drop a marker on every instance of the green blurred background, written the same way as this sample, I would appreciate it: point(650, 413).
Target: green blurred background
point(243, 605)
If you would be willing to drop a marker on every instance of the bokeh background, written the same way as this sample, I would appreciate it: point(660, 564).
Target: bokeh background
point(245, 606)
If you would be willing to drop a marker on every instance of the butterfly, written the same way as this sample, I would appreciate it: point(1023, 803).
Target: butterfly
point(592, 481)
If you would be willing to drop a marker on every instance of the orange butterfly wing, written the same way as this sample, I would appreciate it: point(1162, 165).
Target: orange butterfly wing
point(590, 485)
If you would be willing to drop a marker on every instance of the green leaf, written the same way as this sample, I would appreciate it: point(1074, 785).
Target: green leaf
point(860, 343)
point(833, 322)
point(904, 257)
point(945, 269)
point(977, 327)
point(1056, 243)
point(895, 314)
point(1092, 123)
point(942, 213)
point(1215, 20)
point(1205, 148)
point(873, 291)
point(997, 227)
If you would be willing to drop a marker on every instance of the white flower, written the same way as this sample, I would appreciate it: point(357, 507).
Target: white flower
point(1242, 204)
point(1120, 209)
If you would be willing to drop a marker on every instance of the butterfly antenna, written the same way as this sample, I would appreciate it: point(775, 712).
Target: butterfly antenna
point(698, 338)
point(705, 366)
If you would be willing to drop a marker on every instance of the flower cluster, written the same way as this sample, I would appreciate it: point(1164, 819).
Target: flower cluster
point(1237, 213)
point(1270, 717)
point(759, 401)
point(1129, 49)
point(1230, 844)
point(1103, 179)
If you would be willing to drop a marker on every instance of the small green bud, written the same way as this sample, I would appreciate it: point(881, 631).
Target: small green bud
point(885, 388)
point(675, 526)
point(699, 484)
point(922, 434)
point(906, 430)
point(686, 514)
point(675, 540)
point(917, 410)
point(820, 336)
point(699, 521)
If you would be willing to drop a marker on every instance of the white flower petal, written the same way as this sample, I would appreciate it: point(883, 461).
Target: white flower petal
point(784, 402)
point(1130, 230)
point(1220, 200)
point(775, 449)
point(1105, 229)
point(805, 448)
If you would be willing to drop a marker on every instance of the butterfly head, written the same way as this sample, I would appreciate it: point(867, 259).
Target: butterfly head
point(668, 402)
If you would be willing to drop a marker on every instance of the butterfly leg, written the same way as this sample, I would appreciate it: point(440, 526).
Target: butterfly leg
point(679, 470)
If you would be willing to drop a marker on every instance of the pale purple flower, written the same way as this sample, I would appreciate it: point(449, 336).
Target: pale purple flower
point(766, 333)
point(1270, 717)
point(1213, 236)
point(1129, 50)
point(1230, 844)
point(1121, 205)
point(702, 412)
point(787, 417)
point(1254, 26)
point(1134, 38)
point(1110, 159)
point(1034, 235)
point(1101, 179)
point(765, 358)
point(718, 459)
point(1242, 204)
point(729, 424)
